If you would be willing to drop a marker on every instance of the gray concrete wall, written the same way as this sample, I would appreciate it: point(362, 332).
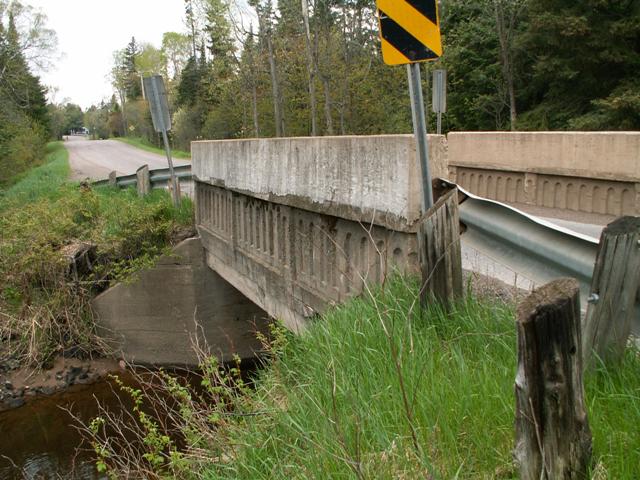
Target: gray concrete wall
point(291, 261)
point(592, 172)
point(152, 320)
point(357, 178)
point(597, 155)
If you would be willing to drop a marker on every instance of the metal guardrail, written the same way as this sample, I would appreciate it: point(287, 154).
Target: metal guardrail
point(534, 248)
point(159, 177)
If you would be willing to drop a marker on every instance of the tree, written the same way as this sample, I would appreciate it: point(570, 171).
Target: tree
point(24, 116)
point(585, 62)
point(150, 61)
point(132, 85)
point(176, 52)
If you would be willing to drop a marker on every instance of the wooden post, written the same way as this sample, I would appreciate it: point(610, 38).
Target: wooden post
point(553, 439)
point(113, 179)
point(439, 247)
point(614, 286)
point(144, 180)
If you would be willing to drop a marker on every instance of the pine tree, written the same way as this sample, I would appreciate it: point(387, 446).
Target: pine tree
point(133, 87)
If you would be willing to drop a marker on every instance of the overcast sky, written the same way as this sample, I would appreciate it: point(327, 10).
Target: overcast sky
point(89, 31)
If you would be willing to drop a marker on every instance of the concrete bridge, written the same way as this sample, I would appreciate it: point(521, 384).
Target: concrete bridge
point(291, 226)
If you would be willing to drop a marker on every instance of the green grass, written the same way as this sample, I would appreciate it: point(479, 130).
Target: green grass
point(331, 403)
point(143, 144)
point(42, 181)
point(42, 308)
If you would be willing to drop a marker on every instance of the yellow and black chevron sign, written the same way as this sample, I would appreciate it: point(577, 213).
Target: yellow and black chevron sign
point(410, 31)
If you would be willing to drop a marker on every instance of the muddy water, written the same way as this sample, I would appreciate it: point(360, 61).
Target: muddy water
point(40, 440)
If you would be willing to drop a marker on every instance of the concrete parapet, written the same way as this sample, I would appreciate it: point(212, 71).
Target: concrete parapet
point(152, 320)
point(364, 178)
point(596, 155)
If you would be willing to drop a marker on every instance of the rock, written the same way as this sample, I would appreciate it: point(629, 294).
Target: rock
point(8, 385)
point(74, 373)
point(47, 390)
point(59, 376)
point(14, 402)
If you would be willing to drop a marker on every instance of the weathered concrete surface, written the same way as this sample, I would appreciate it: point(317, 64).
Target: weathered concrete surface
point(360, 178)
point(591, 172)
point(294, 262)
point(598, 155)
point(153, 319)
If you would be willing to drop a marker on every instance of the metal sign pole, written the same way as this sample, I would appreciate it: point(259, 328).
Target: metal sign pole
point(154, 90)
point(174, 181)
point(420, 131)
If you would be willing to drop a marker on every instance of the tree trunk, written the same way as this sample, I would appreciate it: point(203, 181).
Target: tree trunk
point(310, 69)
point(504, 36)
point(275, 88)
point(553, 439)
point(265, 33)
point(125, 126)
point(254, 102)
point(327, 105)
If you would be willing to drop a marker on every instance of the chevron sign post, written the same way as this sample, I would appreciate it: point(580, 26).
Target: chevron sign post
point(410, 33)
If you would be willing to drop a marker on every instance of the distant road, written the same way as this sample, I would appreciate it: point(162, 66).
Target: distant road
point(95, 159)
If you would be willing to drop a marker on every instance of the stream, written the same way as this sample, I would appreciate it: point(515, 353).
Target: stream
point(40, 440)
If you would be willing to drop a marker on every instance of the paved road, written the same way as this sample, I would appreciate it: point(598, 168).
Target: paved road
point(94, 159)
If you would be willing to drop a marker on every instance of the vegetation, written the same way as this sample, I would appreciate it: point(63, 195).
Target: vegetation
point(24, 120)
point(376, 389)
point(43, 298)
point(314, 68)
point(144, 144)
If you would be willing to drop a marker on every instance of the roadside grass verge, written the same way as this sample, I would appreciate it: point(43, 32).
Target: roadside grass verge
point(333, 405)
point(143, 144)
point(41, 182)
point(44, 306)
point(375, 389)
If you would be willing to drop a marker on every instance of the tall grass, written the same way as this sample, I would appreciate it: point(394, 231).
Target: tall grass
point(335, 403)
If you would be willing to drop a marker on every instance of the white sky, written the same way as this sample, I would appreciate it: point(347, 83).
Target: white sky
point(89, 31)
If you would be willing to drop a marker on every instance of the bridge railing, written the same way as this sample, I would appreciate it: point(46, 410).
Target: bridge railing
point(158, 177)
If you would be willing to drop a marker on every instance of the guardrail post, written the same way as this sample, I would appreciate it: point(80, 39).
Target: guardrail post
point(144, 180)
point(439, 247)
point(614, 286)
point(113, 179)
point(553, 439)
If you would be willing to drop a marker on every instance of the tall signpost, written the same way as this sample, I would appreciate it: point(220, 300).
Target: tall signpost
point(410, 34)
point(439, 96)
point(156, 95)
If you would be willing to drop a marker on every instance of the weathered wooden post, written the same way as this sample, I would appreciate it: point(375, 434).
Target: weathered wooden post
point(143, 180)
point(439, 247)
point(113, 179)
point(614, 286)
point(553, 439)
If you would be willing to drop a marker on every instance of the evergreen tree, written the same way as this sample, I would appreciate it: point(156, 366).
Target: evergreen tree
point(133, 87)
point(586, 59)
point(189, 86)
